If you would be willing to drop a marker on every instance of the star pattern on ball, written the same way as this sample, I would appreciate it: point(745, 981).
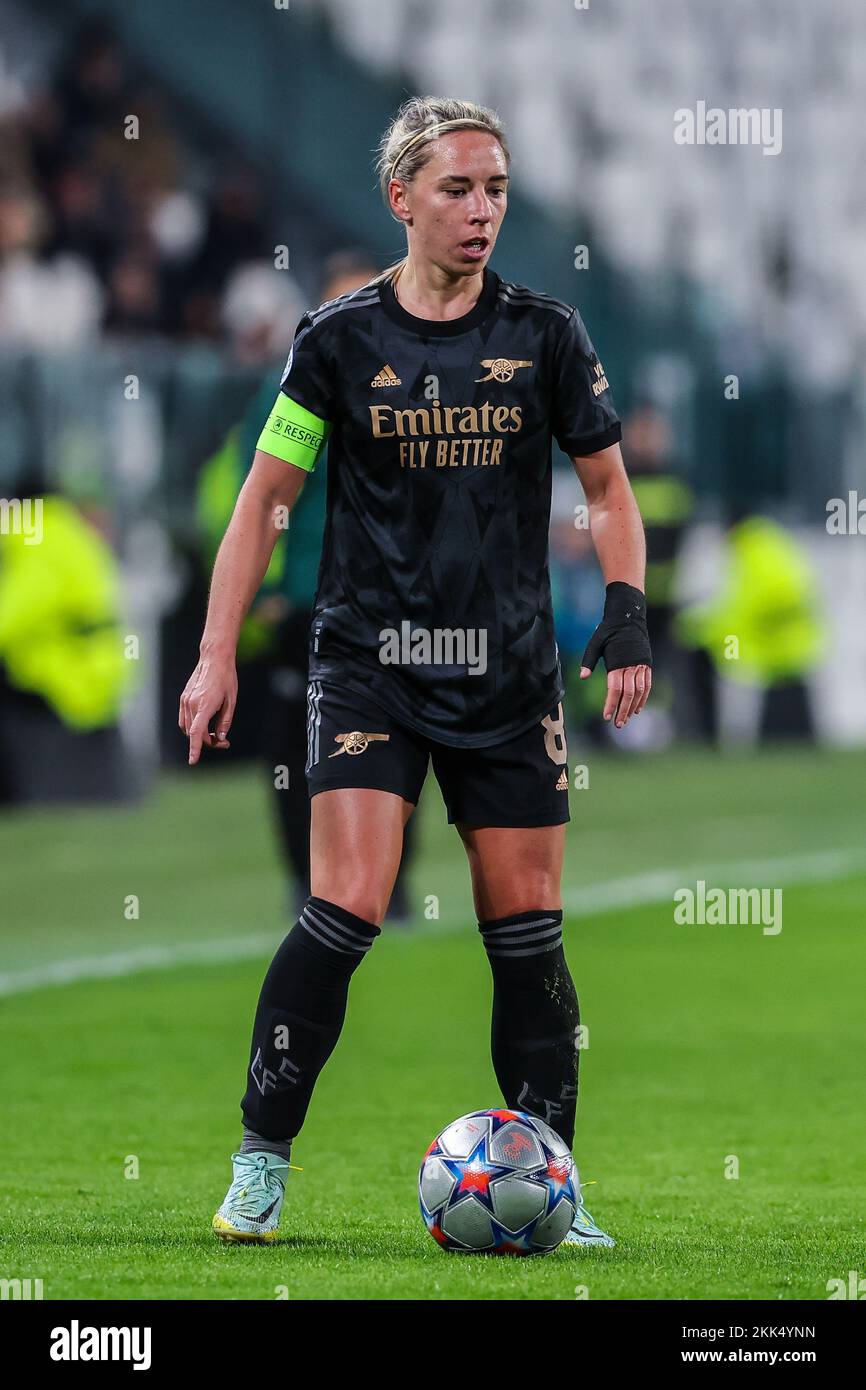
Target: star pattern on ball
point(507, 1242)
point(436, 1231)
point(557, 1179)
point(473, 1175)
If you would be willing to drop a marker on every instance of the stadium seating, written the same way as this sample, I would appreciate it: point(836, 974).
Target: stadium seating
point(595, 90)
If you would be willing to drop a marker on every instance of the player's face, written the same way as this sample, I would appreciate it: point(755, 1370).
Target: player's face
point(457, 199)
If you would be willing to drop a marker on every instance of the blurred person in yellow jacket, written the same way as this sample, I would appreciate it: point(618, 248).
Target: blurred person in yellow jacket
point(63, 666)
point(666, 503)
point(763, 629)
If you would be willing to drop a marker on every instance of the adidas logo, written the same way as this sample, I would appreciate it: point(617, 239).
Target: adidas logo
point(562, 784)
point(386, 376)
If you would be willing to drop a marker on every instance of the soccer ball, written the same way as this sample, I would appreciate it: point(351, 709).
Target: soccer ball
point(500, 1182)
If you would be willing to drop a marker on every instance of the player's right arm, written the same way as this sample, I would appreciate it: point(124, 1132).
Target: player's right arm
point(293, 438)
point(207, 704)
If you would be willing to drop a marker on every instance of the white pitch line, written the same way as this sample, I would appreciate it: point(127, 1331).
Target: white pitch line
point(659, 885)
point(121, 963)
point(639, 890)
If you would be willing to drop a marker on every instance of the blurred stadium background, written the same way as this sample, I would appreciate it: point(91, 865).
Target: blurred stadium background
point(177, 184)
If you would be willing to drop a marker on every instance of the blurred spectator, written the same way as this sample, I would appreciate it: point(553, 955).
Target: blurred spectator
point(134, 296)
point(666, 504)
point(63, 669)
point(577, 589)
point(84, 221)
point(91, 80)
point(345, 271)
point(235, 231)
point(762, 629)
point(52, 302)
point(260, 310)
point(111, 220)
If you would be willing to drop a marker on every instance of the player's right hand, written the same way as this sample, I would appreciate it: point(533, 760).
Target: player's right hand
point(207, 705)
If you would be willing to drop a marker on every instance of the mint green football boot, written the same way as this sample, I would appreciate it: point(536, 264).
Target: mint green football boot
point(250, 1213)
point(583, 1229)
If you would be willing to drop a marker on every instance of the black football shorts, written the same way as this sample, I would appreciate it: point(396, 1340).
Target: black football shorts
point(351, 742)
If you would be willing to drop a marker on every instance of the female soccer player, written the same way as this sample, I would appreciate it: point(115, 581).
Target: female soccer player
point(438, 387)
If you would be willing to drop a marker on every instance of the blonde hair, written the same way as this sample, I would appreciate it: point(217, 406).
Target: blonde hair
point(404, 148)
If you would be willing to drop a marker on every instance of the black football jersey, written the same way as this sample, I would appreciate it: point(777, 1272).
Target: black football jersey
point(433, 591)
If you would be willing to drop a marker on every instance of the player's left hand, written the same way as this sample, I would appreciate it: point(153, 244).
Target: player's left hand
point(622, 640)
point(627, 691)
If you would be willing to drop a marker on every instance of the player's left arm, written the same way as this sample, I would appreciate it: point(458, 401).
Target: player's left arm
point(621, 637)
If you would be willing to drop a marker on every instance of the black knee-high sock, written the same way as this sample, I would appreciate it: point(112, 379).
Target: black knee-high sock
point(300, 1014)
point(535, 1017)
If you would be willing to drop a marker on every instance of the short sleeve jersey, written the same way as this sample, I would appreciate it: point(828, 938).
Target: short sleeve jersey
point(433, 594)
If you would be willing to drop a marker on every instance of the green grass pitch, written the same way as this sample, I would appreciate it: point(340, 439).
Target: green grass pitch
point(705, 1042)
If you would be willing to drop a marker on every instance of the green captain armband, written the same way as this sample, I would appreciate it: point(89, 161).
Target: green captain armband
point(294, 434)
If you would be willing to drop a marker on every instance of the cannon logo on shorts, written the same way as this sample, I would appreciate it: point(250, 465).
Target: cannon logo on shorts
point(356, 742)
